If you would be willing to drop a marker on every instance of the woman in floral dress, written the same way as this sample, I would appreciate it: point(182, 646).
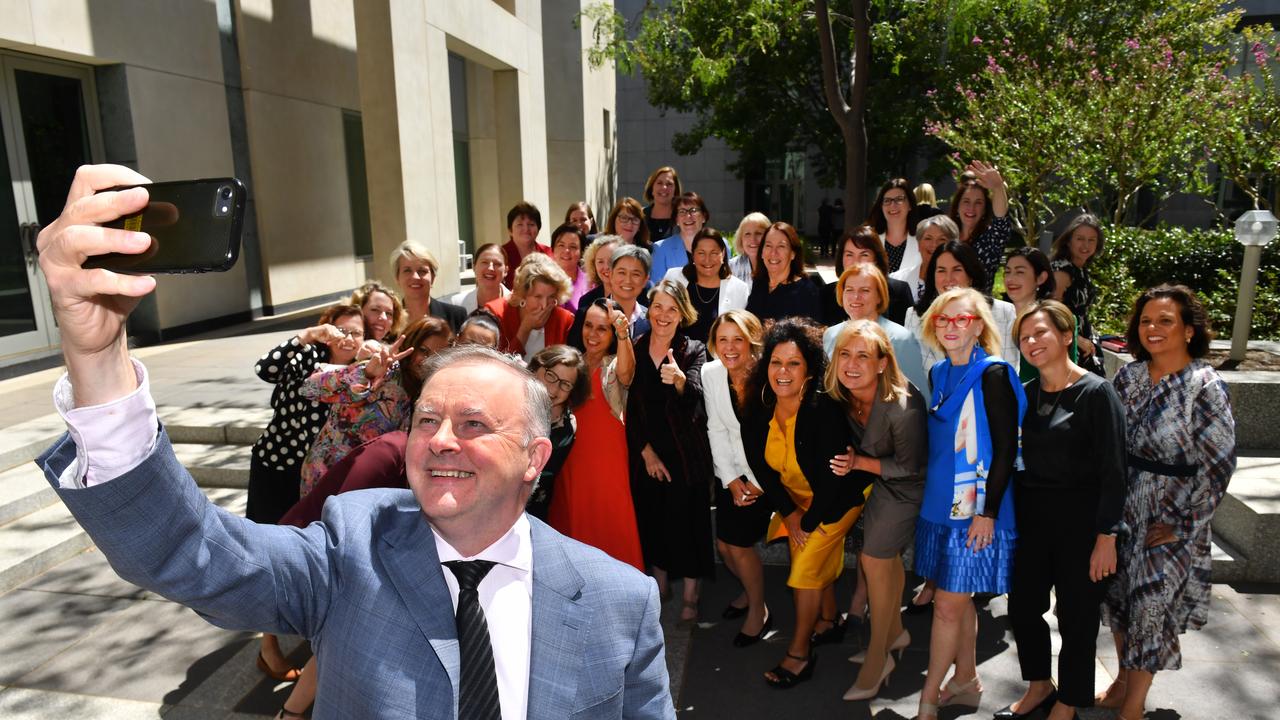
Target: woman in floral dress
point(1181, 445)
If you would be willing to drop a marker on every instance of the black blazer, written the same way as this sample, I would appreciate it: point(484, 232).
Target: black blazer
point(822, 432)
point(455, 315)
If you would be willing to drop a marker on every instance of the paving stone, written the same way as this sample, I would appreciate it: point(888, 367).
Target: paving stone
point(30, 704)
point(87, 574)
point(23, 490)
point(39, 626)
point(36, 542)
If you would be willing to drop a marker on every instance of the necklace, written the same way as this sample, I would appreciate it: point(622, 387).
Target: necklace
point(1041, 410)
point(697, 289)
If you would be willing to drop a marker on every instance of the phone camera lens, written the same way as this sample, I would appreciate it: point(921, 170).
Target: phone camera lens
point(225, 191)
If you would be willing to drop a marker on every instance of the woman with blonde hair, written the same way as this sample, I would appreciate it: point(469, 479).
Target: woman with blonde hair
point(415, 270)
point(742, 512)
point(746, 246)
point(863, 293)
point(671, 465)
point(965, 535)
point(887, 423)
point(531, 317)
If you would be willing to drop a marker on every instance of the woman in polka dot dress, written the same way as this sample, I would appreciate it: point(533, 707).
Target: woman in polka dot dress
point(275, 461)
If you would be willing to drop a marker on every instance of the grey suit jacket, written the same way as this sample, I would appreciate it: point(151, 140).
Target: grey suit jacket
point(897, 434)
point(365, 584)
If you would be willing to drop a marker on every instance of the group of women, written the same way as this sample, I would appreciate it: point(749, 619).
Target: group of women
point(687, 377)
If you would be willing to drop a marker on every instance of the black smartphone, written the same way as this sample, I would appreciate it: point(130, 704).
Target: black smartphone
point(194, 226)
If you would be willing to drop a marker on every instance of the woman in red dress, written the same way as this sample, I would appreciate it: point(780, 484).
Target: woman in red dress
point(592, 502)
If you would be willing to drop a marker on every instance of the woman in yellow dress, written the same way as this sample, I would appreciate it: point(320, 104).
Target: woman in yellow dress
point(790, 438)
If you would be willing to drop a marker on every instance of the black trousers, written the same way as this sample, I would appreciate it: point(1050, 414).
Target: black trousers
point(272, 492)
point(1056, 535)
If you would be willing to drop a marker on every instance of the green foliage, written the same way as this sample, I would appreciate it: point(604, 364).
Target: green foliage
point(1207, 261)
point(1088, 103)
point(1247, 145)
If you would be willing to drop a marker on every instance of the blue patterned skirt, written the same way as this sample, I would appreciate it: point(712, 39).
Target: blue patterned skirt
point(941, 556)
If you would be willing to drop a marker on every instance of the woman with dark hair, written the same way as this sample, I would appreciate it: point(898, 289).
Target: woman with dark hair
point(781, 288)
point(885, 415)
point(862, 245)
point(626, 220)
point(712, 288)
point(275, 460)
point(564, 373)
point(567, 244)
point(489, 264)
point(965, 535)
point(660, 191)
point(371, 398)
point(524, 222)
point(1069, 501)
point(674, 250)
point(890, 216)
point(579, 214)
point(1182, 452)
point(1027, 280)
point(956, 265)
point(742, 512)
point(1074, 251)
point(746, 246)
point(593, 501)
point(980, 208)
point(790, 435)
point(671, 467)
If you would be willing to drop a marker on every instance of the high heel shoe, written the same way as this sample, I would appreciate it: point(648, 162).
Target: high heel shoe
point(290, 675)
point(1007, 712)
point(744, 640)
point(926, 710)
point(900, 644)
point(832, 635)
point(856, 693)
point(784, 679)
point(968, 694)
point(733, 612)
point(287, 714)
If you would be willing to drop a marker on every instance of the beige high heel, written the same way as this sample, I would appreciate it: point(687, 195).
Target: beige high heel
point(856, 693)
point(900, 644)
point(926, 710)
point(968, 694)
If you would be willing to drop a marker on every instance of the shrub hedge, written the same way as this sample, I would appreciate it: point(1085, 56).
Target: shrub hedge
point(1207, 261)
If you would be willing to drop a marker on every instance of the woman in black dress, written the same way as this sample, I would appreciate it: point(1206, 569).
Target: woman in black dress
point(1070, 504)
point(781, 288)
point(671, 467)
point(1073, 252)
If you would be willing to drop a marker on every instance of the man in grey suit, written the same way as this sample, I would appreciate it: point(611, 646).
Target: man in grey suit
point(546, 628)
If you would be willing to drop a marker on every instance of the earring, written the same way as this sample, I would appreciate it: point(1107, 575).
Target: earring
point(763, 401)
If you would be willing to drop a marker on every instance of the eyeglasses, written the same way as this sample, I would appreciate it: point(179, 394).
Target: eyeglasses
point(552, 379)
point(627, 220)
point(688, 211)
point(895, 200)
point(351, 333)
point(960, 321)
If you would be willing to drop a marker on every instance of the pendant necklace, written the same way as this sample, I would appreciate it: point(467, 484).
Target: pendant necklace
point(1041, 410)
point(705, 301)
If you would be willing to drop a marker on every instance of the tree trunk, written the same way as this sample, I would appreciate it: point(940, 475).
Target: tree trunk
point(849, 114)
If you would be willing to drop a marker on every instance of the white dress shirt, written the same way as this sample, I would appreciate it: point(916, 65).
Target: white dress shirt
point(506, 596)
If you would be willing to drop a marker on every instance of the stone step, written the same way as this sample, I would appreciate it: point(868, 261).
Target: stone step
point(214, 425)
point(23, 490)
point(37, 541)
point(215, 465)
point(1228, 564)
point(1248, 518)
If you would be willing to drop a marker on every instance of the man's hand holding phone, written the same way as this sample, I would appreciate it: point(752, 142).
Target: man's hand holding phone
point(91, 305)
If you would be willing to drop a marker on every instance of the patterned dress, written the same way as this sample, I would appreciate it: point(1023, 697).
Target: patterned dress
point(1182, 453)
point(359, 414)
point(990, 246)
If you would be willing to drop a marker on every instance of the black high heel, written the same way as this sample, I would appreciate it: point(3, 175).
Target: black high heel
point(784, 679)
point(745, 640)
point(833, 634)
point(733, 612)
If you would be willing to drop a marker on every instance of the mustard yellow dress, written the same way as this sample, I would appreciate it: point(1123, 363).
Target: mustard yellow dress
point(821, 560)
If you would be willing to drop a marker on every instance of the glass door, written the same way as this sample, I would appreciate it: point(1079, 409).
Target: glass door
point(48, 123)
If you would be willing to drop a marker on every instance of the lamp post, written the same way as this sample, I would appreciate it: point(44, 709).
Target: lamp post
point(1254, 230)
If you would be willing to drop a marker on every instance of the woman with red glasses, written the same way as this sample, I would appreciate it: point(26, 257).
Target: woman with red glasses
point(965, 534)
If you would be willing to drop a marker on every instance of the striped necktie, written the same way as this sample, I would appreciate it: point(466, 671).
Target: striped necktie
point(478, 693)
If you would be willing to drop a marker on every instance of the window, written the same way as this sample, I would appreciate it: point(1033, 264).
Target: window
point(357, 185)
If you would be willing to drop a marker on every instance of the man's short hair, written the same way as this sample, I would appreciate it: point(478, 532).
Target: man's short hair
point(537, 402)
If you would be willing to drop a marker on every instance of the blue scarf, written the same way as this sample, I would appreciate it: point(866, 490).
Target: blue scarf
point(961, 409)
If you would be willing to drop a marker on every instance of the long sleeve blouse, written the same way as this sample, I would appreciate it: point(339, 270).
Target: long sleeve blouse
point(295, 419)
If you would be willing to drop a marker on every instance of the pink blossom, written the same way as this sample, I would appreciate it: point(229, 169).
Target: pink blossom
point(931, 92)
point(977, 40)
point(993, 66)
point(1094, 74)
point(1132, 44)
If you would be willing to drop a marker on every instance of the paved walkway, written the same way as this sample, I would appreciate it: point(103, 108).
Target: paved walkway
point(79, 642)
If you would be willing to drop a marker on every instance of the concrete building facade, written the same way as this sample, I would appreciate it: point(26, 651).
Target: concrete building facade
point(355, 124)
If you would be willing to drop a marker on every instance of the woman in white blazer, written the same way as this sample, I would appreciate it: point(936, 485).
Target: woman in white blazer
point(742, 511)
point(713, 289)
